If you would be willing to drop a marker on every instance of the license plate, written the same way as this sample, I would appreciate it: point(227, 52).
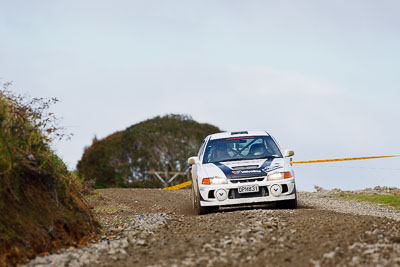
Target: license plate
point(248, 188)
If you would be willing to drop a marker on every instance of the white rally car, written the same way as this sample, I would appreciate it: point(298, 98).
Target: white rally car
point(236, 168)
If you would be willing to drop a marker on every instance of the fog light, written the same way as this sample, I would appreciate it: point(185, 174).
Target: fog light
point(276, 190)
point(221, 194)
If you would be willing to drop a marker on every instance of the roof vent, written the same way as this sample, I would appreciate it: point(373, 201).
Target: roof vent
point(243, 132)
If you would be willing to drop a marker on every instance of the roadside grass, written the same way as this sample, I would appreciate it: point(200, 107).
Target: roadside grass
point(389, 200)
point(92, 196)
point(121, 221)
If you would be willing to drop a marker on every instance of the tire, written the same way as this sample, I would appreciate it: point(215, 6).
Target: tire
point(198, 210)
point(287, 204)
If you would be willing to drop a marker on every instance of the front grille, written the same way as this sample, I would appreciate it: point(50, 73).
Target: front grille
point(234, 194)
point(247, 180)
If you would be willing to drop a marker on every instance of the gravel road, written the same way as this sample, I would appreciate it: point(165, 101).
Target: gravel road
point(152, 227)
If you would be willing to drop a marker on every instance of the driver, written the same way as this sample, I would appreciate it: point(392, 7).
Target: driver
point(221, 152)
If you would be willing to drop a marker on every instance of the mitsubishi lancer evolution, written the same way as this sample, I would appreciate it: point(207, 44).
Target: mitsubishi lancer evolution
point(240, 168)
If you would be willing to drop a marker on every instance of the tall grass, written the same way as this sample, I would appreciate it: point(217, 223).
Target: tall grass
point(27, 129)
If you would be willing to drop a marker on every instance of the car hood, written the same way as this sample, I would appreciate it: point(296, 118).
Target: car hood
point(243, 168)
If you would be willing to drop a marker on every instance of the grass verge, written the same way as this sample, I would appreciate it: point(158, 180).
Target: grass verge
point(390, 200)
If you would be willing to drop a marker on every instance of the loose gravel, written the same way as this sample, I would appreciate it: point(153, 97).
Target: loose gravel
point(148, 227)
point(132, 231)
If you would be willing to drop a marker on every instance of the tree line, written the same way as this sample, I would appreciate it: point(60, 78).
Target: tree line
point(125, 158)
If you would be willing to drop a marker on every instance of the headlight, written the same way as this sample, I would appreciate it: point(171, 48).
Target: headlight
point(214, 180)
point(219, 180)
point(275, 176)
point(279, 176)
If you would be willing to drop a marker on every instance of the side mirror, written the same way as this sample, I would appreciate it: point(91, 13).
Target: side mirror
point(288, 153)
point(193, 160)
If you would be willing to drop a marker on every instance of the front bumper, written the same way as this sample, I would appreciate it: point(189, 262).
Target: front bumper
point(208, 195)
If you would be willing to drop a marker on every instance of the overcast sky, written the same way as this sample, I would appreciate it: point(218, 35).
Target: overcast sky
point(323, 77)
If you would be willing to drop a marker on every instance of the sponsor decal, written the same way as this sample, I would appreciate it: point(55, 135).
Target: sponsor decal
point(271, 168)
point(246, 171)
point(229, 173)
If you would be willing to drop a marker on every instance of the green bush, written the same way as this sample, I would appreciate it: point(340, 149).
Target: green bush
point(159, 144)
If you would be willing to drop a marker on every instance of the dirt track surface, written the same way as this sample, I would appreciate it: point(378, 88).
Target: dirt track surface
point(150, 227)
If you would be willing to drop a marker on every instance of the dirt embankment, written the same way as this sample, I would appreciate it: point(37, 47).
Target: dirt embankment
point(40, 206)
point(149, 227)
point(39, 218)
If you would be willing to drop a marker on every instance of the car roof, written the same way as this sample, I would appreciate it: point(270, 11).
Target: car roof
point(237, 134)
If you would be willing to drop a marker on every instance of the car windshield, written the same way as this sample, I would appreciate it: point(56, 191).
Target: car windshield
point(240, 148)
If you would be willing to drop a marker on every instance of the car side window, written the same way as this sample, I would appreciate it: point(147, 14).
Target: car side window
point(201, 150)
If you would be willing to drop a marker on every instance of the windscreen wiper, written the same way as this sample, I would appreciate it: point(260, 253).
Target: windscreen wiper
point(267, 157)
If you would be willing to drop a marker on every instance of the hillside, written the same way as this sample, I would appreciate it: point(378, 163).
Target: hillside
point(124, 158)
point(40, 204)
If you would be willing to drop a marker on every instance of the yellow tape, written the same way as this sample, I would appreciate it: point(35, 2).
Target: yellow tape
point(342, 159)
point(182, 185)
point(179, 186)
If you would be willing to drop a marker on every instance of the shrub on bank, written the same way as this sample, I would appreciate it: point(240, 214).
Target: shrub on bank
point(40, 204)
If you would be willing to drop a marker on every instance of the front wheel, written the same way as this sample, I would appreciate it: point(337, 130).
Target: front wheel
point(198, 210)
